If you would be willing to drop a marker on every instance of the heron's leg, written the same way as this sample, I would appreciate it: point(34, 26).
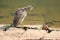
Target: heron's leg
point(15, 25)
point(8, 27)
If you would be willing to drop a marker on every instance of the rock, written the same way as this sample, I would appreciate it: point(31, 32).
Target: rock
point(54, 35)
point(33, 34)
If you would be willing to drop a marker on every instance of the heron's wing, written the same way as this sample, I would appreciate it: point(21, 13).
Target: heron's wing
point(21, 19)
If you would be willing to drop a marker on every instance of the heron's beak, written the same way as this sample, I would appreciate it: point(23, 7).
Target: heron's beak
point(30, 7)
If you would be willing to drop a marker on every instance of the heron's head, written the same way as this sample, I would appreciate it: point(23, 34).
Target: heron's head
point(30, 7)
point(21, 9)
point(27, 8)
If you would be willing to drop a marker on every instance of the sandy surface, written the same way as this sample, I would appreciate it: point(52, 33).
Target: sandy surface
point(20, 34)
point(30, 34)
point(55, 35)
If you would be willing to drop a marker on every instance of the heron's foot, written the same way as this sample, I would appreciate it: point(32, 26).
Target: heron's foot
point(5, 29)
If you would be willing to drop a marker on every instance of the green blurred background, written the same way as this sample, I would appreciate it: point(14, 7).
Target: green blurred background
point(44, 11)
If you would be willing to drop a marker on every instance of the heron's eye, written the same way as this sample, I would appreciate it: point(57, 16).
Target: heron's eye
point(18, 10)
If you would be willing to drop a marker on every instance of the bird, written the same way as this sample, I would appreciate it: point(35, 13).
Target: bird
point(45, 27)
point(20, 15)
